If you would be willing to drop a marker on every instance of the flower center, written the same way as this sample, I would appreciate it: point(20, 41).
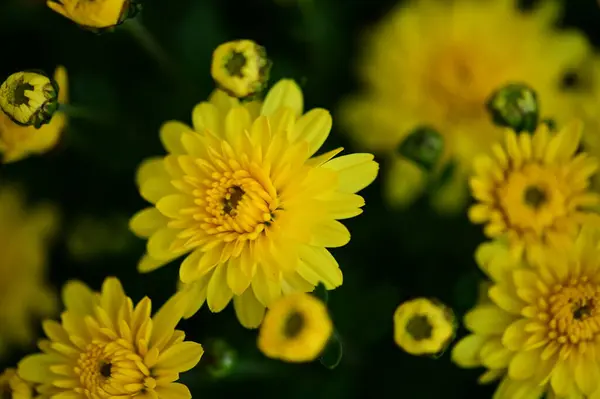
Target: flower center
point(574, 315)
point(235, 63)
point(293, 325)
point(94, 368)
point(535, 197)
point(232, 199)
point(419, 328)
point(19, 94)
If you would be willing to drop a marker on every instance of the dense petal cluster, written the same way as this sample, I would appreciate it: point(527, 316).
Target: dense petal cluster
point(106, 347)
point(435, 63)
point(539, 327)
point(25, 293)
point(242, 196)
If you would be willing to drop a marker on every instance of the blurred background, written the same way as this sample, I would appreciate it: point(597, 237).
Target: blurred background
point(393, 256)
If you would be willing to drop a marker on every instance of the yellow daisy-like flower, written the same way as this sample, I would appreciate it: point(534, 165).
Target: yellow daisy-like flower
point(296, 329)
point(18, 142)
point(423, 327)
point(24, 291)
point(243, 195)
point(95, 14)
point(435, 63)
point(105, 348)
point(240, 67)
point(532, 189)
point(13, 387)
point(29, 98)
point(540, 327)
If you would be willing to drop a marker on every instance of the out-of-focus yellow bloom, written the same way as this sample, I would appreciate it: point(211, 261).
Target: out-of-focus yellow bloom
point(95, 14)
point(105, 347)
point(18, 142)
point(533, 189)
point(13, 387)
point(29, 98)
point(241, 68)
point(539, 329)
point(435, 63)
point(423, 327)
point(24, 291)
point(296, 329)
point(241, 195)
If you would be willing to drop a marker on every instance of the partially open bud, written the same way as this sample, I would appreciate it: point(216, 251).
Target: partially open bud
point(219, 358)
point(516, 106)
point(424, 146)
point(29, 98)
point(95, 14)
point(241, 68)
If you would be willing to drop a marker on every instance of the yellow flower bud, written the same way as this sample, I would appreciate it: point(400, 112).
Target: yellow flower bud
point(240, 68)
point(29, 98)
point(95, 14)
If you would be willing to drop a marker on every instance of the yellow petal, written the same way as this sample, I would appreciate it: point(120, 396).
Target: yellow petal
point(173, 390)
point(219, 294)
point(151, 168)
point(284, 93)
point(494, 355)
point(171, 205)
point(487, 319)
point(321, 159)
point(237, 280)
point(344, 205)
point(170, 136)
point(146, 222)
point(248, 309)
point(237, 121)
point(561, 380)
point(355, 171)
point(195, 294)
point(180, 357)
point(36, 368)
point(505, 300)
point(524, 364)
point(265, 289)
point(207, 116)
point(313, 127)
point(223, 101)
point(112, 298)
point(159, 243)
point(330, 234)
point(515, 336)
point(586, 375)
point(466, 352)
point(166, 319)
point(148, 263)
point(318, 264)
point(568, 140)
point(78, 298)
point(190, 267)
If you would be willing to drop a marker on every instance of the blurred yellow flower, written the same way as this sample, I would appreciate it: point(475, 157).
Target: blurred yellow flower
point(241, 193)
point(533, 189)
point(296, 329)
point(435, 63)
point(539, 329)
point(105, 347)
point(18, 142)
point(240, 68)
point(423, 327)
point(13, 387)
point(96, 14)
point(29, 98)
point(24, 291)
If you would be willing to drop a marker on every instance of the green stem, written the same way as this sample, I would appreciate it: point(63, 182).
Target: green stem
point(77, 112)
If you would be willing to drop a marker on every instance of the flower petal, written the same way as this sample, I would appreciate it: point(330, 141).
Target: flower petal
point(524, 364)
point(330, 234)
point(355, 171)
point(36, 367)
point(146, 222)
point(466, 352)
point(515, 336)
point(207, 116)
point(219, 294)
point(249, 310)
point(237, 280)
point(487, 319)
point(170, 136)
point(159, 244)
point(78, 298)
point(180, 357)
point(265, 289)
point(313, 127)
point(284, 93)
point(318, 265)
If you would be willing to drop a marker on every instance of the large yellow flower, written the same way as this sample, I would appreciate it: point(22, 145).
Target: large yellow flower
point(241, 193)
point(539, 329)
point(533, 189)
point(24, 291)
point(435, 63)
point(18, 142)
point(106, 348)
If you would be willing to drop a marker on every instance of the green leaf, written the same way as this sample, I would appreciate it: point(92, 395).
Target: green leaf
point(332, 354)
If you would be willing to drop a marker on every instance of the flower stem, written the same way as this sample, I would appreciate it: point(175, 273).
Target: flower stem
point(77, 112)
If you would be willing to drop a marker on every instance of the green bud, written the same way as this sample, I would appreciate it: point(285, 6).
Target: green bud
point(516, 106)
point(219, 358)
point(424, 146)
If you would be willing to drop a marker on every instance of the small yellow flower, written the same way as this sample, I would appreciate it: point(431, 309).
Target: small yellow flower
point(532, 188)
point(95, 14)
point(422, 327)
point(13, 387)
point(18, 142)
point(243, 197)
point(539, 328)
point(240, 68)
point(25, 293)
point(29, 98)
point(296, 329)
point(105, 347)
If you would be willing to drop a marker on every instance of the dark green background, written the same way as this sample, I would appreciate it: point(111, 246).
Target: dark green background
point(392, 256)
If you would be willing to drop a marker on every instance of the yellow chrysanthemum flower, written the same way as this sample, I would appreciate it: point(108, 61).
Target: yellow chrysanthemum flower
point(533, 189)
point(423, 327)
point(241, 67)
point(241, 193)
point(24, 291)
point(18, 142)
point(105, 347)
point(13, 387)
point(29, 98)
point(435, 63)
point(296, 328)
point(539, 330)
point(95, 14)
